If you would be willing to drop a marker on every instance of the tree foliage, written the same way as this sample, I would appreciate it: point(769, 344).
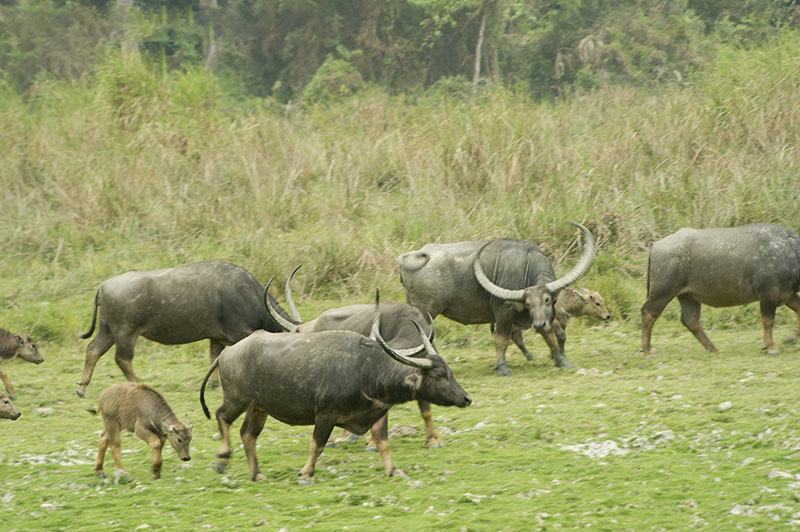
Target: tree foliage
point(277, 47)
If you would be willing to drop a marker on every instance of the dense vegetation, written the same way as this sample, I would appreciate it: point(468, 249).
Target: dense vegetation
point(144, 134)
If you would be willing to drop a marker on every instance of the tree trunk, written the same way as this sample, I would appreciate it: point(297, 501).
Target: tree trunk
point(130, 44)
point(476, 73)
point(214, 47)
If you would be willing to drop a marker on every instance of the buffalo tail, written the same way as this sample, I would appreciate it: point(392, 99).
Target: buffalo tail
point(88, 333)
point(203, 387)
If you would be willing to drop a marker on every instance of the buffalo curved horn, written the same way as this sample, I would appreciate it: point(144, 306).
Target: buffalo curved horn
point(489, 286)
point(375, 333)
point(289, 301)
point(428, 346)
point(283, 322)
point(589, 251)
point(422, 348)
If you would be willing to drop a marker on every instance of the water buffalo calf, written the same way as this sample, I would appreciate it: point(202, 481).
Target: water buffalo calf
point(15, 345)
point(723, 268)
point(204, 300)
point(7, 408)
point(139, 409)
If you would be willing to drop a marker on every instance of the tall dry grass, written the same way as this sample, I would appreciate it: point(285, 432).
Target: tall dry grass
point(126, 170)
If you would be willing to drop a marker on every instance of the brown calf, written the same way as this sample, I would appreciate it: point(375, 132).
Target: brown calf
point(140, 409)
point(13, 345)
point(580, 302)
point(7, 408)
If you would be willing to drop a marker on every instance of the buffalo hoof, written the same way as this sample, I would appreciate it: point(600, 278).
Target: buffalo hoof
point(398, 473)
point(305, 481)
point(80, 391)
point(121, 476)
point(258, 478)
point(100, 474)
point(434, 443)
point(502, 370)
point(219, 467)
point(371, 447)
point(563, 363)
point(772, 351)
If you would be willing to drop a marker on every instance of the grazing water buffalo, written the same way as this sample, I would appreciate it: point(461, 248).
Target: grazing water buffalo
point(451, 279)
point(723, 268)
point(139, 409)
point(215, 300)
point(13, 345)
point(7, 408)
point(325, 379)
point(397, 329)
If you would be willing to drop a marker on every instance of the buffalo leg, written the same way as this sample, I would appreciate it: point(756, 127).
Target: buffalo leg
point(124, 356)
point(431, 438)
point(113, 437)
point(226, 415)
point(96, 348)
point(690, 317)
point(215, 348)
point(322, 431)
point(555, 351)
point(156, 444)
point(101, 455)
point(768, 319)
point(501, 343)
point(516, 337)
point(794, 304)
point(251, 428)
point(7, 383)
point(380, 435)
point(651, 310)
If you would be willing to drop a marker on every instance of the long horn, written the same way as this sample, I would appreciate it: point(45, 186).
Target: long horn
point(283, 322)
point(414, 351)
point(419, 363)
point(289, 301)
point(428, 346)
point(489, 286)
point(589, 251)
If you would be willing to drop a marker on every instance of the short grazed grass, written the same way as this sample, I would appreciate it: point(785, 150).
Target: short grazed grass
point(618, 442)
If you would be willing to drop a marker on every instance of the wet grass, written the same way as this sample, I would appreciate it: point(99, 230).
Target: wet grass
point(617, 442)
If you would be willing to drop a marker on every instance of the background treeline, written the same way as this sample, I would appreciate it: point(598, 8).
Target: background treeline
point(124, 145)
point(295, 49)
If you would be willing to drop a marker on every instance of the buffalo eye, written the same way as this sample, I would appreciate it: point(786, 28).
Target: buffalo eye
point(597, 303)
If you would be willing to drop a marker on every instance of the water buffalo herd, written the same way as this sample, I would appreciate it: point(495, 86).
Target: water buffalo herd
point(350, 365)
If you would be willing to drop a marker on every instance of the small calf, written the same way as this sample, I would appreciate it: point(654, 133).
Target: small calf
point(140, 409)
point(13, 345)
point(7, 408)
point(580, 302)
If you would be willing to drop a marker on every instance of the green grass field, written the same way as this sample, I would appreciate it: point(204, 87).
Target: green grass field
point(618, 442)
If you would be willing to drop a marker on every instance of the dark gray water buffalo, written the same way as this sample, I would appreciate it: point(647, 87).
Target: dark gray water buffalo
point(325, 379)
point(723, 268)
point(512, 286)
point(15, 345)
point(397, 328)
point(204, 300)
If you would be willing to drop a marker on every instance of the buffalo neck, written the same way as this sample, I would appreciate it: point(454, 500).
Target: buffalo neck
point(388, 381)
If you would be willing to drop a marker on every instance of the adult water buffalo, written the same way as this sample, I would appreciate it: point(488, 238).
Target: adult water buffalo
point(723, 268)
point(397, 329)
point(325, 379)
point(204, 300)
point(518, 292)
